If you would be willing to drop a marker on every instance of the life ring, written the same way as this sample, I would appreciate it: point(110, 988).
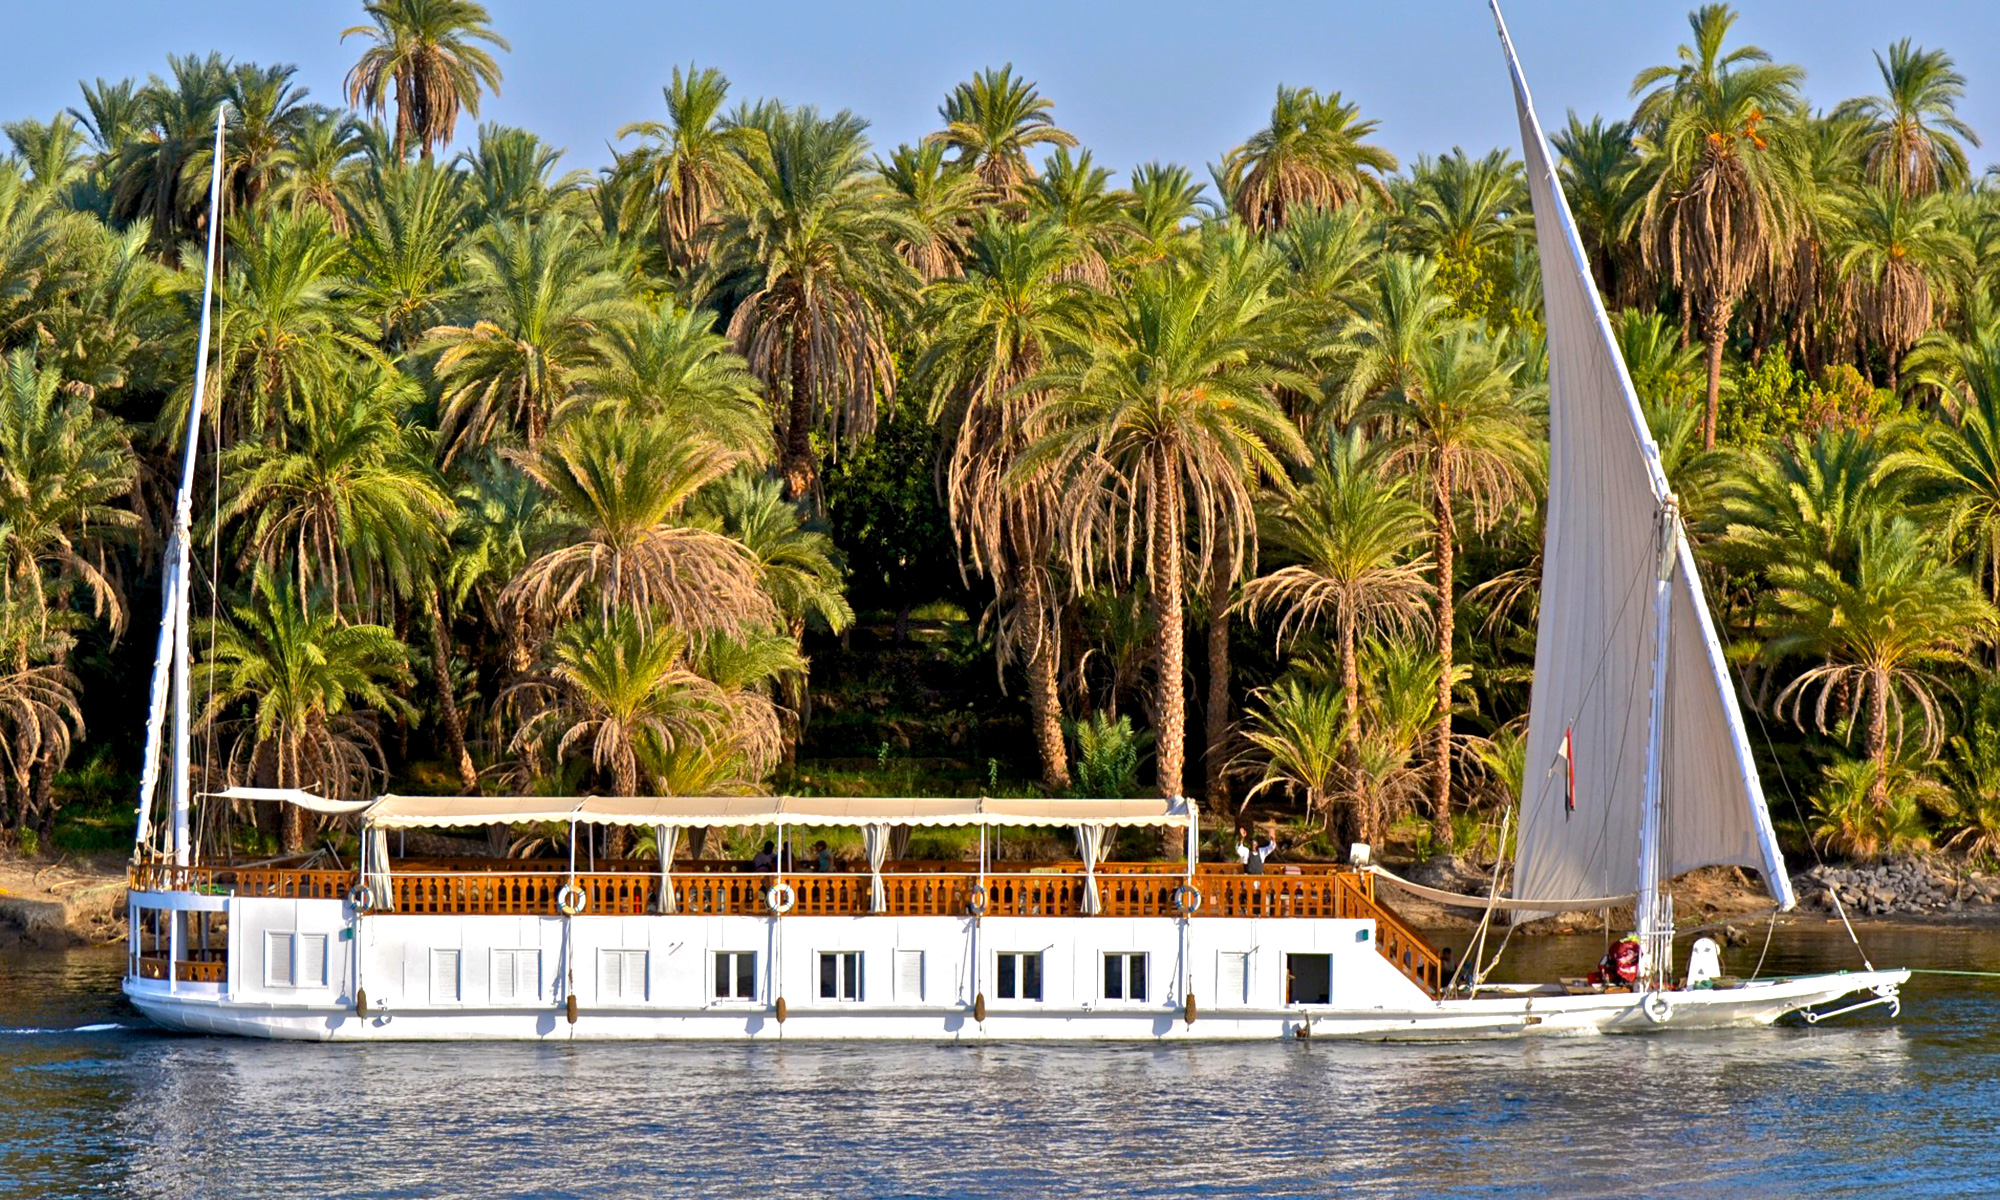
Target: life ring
point(362, 897)
point(781, 897)
point(1187, 898)
point(975, 900)
point(571, 900)
point(1658, 1009)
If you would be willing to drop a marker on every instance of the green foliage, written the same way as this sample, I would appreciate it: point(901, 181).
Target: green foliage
point(883, 510)
point(1851, 815)
point(1105, 756)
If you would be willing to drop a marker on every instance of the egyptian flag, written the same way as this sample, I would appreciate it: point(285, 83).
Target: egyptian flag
point(1569, 774)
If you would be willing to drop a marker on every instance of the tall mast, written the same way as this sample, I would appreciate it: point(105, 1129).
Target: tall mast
point(174, 663)
point(1653, 910)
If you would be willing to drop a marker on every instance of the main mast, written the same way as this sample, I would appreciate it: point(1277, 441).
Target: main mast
point(173, 662)
point(1653, 909)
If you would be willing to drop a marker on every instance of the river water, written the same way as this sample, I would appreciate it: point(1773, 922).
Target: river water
point(92, 1102)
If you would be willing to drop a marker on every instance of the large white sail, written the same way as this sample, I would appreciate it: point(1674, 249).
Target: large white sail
point(1611, 530)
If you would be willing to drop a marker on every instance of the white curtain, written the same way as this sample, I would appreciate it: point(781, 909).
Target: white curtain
point(376, 870)
point(1090, 844)
point(875, 838)
point(667, 837)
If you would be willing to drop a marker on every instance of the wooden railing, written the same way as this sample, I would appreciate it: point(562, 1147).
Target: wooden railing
point(216, 971)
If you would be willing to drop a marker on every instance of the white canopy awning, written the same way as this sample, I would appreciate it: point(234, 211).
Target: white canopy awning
point(406, 812)
point(304, 799)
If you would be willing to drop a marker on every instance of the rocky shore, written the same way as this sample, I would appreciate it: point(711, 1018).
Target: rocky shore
point(1910, 887)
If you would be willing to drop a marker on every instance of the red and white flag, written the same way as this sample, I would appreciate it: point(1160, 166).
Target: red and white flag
point(1569, 774)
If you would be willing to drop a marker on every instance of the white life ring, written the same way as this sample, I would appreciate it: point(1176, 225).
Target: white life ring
point(1187, 898)
point(781, 897)
point(362, 897)
point(571, 900)
point(975, 900)
point(1658, 1009)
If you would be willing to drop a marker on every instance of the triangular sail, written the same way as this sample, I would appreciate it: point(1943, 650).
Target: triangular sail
point(1594, 654)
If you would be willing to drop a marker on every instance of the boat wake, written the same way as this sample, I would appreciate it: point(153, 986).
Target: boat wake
point(111, 1027)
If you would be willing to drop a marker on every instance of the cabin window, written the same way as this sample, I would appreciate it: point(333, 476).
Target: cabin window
point(445, 978)
point(1018, 976)
point(1232, 977)
point(1124, 976)
point(840, 975)
point(736, 975)
point(1308, 979)
point(621, 975)
point(294, 960)
point(910, 975)
point(517, 975)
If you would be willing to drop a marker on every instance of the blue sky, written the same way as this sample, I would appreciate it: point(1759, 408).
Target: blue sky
point(1136, 81)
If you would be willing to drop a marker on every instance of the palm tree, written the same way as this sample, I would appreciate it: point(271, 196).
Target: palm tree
point(41, 714)
point(322, 151)
point(1459, 422)
point(1076, 194)
point(1164, 202)
point(992, 120)
point(622, 487)
point(512, 173)
point(1877, 630)
point(267, 111)
point(1402, 312)
point(427, 49)
point(63, 467)
point(1348, 537)
point(1896, 252)
point(669, 364)
point(348, 504)
point(692, 166)
point(1715, 206)
point(1298, 737)
point(797, 565)
point(404, 230)
point(178, 119)
point(623, 689)
point(939, 198)
point(52, 152)
point(1960, 459)
point(301, 688)
point(544, 292)
point(1168, 425)
point(1466, 215)
point(1599, 170)
point(1013, 316)
point(1313, 154)
point(1913, 127)
point(810, 271)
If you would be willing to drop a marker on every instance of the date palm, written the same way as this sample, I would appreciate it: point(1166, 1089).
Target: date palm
point(512, 175)
point(1401, 314)
point(1914, 134)
point(798, 566)
point(1163, 202)
point(1715, 207)
point(41, 714)
point(690, 167)
point(543, 292)
point(267, 111)
point(1298, 741)
point(323, 150)
point(620, 489)
point(1460, 423)
point(668, 363)
point(1313, 154)
point(53, 152)
point(939, 197)
point(1456, 208)
point(991, 121)
point(1896, 253)
point(1349, 540)
point(297, 691)
point(1960, 459)
point(1161, 434)
point(1601, 179)
point(1076, 194)
point(31, 259)
point(177, 120)
point(1013, 316)
point(809, 269)
point(1878, 631)
point(404, 225)
point(429, 50)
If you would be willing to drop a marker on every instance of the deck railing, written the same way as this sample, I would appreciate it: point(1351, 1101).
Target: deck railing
point(527, 888)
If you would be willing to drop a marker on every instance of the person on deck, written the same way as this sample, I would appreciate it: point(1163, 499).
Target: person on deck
point(822, 858)
point(765, 859)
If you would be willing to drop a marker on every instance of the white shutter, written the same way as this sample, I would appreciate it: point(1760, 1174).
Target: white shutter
point(310, 970)
point(444, 977)
point(610, 979)
point(504, 985)
point(1232, 978)
point(278, 960)
point(910, 975)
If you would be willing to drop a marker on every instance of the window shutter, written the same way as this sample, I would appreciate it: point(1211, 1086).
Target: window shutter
point(910, 975)
point(311, 967)
point(1232, 985)
point(278, 960)
point(610, 979)
point(504, 986)
point(444, 977)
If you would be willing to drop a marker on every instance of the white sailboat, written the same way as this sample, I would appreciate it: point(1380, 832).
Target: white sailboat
point(1630, 688)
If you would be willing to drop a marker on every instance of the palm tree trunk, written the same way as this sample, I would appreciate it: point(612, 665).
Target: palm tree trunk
point(1350, 687)
point(454, 724)
point(1165, 594)
point(1718, 330)
point(1044, 704)
point(1878, 736)
point(1447, 536)
point(798, 424)
point(1216, 792)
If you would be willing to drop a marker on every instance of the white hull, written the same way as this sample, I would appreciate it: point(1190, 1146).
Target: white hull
point(648, 977)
